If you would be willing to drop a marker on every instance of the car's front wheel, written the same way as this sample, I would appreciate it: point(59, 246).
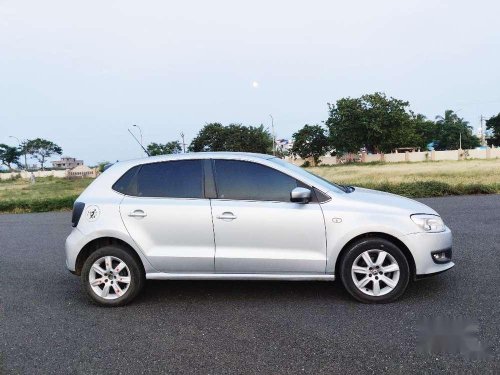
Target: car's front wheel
point(374, 270)
point(111, 276)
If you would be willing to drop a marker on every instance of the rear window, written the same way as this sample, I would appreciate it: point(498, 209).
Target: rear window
point(124, 183)
point(172, 179)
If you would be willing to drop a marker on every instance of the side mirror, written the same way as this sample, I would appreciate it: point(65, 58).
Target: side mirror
point(300, 195)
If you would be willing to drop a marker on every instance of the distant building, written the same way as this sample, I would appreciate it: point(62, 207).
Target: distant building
point(284, 144)
point(67, 162)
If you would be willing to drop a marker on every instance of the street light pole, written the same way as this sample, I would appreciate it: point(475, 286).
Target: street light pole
point(274, 135)
point(22, 148)
point(140, 132)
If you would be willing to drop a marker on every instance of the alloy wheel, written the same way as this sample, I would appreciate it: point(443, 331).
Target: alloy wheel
point(109, 277)
point(375, 272)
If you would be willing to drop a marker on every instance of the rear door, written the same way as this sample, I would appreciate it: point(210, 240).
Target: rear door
point(167, 215)
point(257, 228)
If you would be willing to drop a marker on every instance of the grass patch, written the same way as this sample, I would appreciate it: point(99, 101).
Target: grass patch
point(47, 194)
point(423, 179)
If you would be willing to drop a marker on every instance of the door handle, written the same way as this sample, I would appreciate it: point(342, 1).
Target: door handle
point(227, 216)
point(137, 213)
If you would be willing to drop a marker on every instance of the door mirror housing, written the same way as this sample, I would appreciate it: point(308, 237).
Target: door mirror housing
point(300, 195)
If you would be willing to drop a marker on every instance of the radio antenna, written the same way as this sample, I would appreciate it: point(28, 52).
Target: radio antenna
point(132, 134)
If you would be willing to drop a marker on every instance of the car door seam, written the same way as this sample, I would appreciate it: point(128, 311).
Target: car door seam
point(213, 231)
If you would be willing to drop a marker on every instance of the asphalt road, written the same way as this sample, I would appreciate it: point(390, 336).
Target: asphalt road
point(47, 325)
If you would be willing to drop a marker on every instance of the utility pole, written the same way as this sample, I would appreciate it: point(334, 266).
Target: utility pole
point(183, 143)
point(483, 131)
point(460, 140)
point(273, 135)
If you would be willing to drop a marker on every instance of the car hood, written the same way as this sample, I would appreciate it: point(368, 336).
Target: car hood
point(382, 201)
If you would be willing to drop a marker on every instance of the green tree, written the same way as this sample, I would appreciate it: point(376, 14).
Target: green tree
point(42, 149)
point(493, 124)
point(310, 141)
point(234, 137)
point(450, 129)
point(101, 166)
point(9, 155)
point(173, 147)
point(374, 121)
point(211, 138)
point(426, 129)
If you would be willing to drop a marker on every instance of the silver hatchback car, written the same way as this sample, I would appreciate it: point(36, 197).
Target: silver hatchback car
point(238, 216)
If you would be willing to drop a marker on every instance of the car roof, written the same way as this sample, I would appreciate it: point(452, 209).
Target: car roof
point(198, 155)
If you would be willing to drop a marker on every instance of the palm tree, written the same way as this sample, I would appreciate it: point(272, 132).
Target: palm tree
point(451, 129)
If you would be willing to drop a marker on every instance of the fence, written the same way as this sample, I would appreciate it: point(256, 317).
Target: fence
point(397, 157)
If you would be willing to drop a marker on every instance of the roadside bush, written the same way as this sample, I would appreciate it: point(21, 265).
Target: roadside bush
point(424, 189)
point(37, 205)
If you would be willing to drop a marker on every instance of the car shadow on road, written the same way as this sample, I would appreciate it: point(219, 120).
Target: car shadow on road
point(164, 291)
point(275, 291)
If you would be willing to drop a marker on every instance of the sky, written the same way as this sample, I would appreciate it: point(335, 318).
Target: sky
point(80, 73)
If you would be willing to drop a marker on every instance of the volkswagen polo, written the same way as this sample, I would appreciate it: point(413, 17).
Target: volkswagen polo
point(239, 216)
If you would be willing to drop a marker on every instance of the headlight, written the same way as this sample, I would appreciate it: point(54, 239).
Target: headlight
point(429, 223)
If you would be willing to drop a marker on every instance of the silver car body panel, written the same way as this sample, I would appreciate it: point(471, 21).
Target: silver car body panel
point(176, 235)
point(183, 238)
point(269, 237)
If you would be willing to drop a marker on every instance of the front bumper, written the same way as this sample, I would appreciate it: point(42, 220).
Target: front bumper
point(423, 245)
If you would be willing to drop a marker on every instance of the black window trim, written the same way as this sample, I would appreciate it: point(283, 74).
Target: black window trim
point(209, 184)
point(312, 188)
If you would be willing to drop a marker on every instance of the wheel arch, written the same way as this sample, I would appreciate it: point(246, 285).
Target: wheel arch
point(100, 242)
point(396, 241)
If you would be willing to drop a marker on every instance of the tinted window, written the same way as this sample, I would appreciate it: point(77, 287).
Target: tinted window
point(251, 181)
point(124, 182)
point(320, 181)
point(174, 179)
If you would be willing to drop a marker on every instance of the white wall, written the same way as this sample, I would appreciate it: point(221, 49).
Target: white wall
point(26, 175)
point(491, 153)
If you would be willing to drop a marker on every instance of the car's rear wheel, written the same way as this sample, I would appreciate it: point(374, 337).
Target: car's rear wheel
point(111, 276)
point(374, 270)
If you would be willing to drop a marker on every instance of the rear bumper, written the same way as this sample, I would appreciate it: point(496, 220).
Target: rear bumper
point(73, 245)
point(423, 245)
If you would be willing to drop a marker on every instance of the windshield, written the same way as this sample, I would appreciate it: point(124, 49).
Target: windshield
point(320, 181)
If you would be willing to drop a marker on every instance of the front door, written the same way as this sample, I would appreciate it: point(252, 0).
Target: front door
point(257, 228)
point(169, 218)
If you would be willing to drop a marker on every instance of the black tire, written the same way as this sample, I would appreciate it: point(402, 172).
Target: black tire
point(372, 243)
point(137, 277)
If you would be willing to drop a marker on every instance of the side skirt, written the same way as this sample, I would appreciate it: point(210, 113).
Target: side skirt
point(238, 276)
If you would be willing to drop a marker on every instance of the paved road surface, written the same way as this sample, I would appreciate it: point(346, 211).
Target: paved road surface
point(47, 326)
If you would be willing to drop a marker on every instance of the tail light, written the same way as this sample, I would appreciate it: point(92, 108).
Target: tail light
point(77, 213)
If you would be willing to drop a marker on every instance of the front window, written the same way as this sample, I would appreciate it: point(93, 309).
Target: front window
point(241, 180)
